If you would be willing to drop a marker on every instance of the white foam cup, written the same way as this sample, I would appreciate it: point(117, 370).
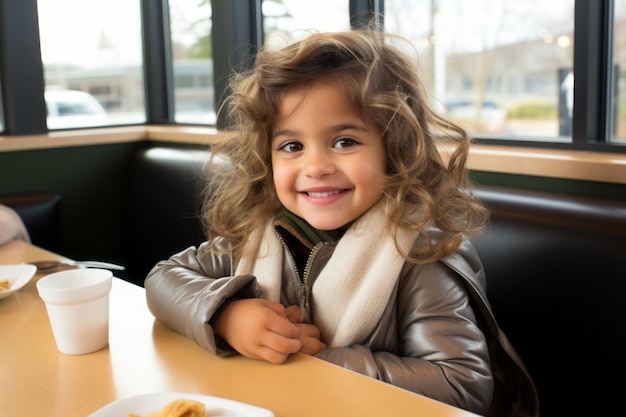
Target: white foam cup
point(77, 302)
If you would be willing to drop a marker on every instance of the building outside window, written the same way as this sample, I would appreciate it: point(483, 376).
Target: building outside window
point(192, 60)
point(93, 66)
point(500, 68)
point(287, 21)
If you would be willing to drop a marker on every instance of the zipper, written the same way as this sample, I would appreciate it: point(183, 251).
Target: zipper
point(303, 288)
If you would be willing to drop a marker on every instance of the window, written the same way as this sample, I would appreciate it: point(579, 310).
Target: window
point(500, 68)
point(92, 58)
point(503, 68)
point(192, 57)
point(286, 21)
point(618, 91)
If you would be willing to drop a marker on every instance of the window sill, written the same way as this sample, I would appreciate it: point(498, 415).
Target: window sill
point(575, 165)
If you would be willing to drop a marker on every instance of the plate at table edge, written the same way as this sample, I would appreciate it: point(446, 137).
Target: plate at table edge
point(18, 275)
point(145, 404)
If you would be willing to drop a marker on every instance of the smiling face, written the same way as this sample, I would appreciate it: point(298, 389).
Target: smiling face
point(327, 161)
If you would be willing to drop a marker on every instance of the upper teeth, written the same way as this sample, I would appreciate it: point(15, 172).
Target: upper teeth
point(322, 194)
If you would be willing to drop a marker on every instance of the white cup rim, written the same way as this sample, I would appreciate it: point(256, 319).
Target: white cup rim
point(75, 286)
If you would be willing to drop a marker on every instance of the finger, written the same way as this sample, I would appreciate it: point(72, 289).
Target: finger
point(277, 308)
point(293, 313)
point(312, 346)
point(265, 353)
point(283, 327)
point(280, 344)
point(271, 356)
point(308, 330)
point(310, 338)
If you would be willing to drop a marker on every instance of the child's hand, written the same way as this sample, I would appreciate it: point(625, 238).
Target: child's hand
point(259, 329)
point(309, 334)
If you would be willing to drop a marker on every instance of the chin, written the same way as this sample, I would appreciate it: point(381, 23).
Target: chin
point(325, 225)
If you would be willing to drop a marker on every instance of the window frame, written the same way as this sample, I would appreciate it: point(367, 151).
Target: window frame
point(21, 69)
point(237, 33)
point(238, 25)
point(158, 64)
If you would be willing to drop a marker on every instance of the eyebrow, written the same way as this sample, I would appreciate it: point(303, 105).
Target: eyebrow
point(332, 129)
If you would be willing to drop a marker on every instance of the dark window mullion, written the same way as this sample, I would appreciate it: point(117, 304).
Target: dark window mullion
point(363, 12)
point(22, 69)
point(611, 73)
point(591, 81)
point(158, 77)
point(237, 34)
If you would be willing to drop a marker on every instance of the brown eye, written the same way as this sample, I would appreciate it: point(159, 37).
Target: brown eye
point(345, 142)
point(291, 147)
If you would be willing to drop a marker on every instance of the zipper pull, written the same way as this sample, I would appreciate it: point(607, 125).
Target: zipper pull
point(303, 295)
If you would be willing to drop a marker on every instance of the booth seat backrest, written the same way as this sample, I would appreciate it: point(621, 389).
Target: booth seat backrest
point(557, 284)
point(162, 209)
point(41, 214)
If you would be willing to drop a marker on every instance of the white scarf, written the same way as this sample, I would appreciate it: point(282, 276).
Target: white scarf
point(354, 288)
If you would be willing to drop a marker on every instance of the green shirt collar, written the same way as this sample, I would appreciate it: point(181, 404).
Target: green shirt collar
point(302, 230)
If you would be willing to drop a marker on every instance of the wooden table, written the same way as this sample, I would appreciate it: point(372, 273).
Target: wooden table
point(143, 356)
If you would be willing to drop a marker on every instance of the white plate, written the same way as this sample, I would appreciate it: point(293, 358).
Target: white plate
point(18, 276)
point(143, 405)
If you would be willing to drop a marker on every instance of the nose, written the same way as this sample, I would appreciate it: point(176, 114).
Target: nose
point(318, 163)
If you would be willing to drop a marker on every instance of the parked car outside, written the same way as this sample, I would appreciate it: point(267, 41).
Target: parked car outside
point(487, 119)
point(73, 108)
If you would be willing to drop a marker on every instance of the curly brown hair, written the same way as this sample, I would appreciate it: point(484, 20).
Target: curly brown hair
point(423, 189)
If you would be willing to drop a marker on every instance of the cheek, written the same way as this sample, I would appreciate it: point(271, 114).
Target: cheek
point(371, 174)
point(282, 179)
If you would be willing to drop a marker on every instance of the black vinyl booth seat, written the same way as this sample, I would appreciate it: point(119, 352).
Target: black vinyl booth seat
point(162, 207)
point(41, 214)
point(557, 283)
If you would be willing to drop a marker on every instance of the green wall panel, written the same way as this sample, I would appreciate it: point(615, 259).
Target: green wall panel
point(91, 181)
point(565, 186)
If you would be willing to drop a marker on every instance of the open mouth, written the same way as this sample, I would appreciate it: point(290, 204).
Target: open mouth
point(323, 194)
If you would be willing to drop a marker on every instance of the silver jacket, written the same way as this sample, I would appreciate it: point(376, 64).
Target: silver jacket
point(439, 338)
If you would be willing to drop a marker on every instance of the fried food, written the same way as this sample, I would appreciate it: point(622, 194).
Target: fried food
point(178, 408)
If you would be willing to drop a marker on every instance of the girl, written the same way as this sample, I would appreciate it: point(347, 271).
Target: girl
point(337, 229)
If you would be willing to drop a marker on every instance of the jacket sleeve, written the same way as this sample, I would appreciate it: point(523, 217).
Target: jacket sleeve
point(186, 290)
point(441, 353)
